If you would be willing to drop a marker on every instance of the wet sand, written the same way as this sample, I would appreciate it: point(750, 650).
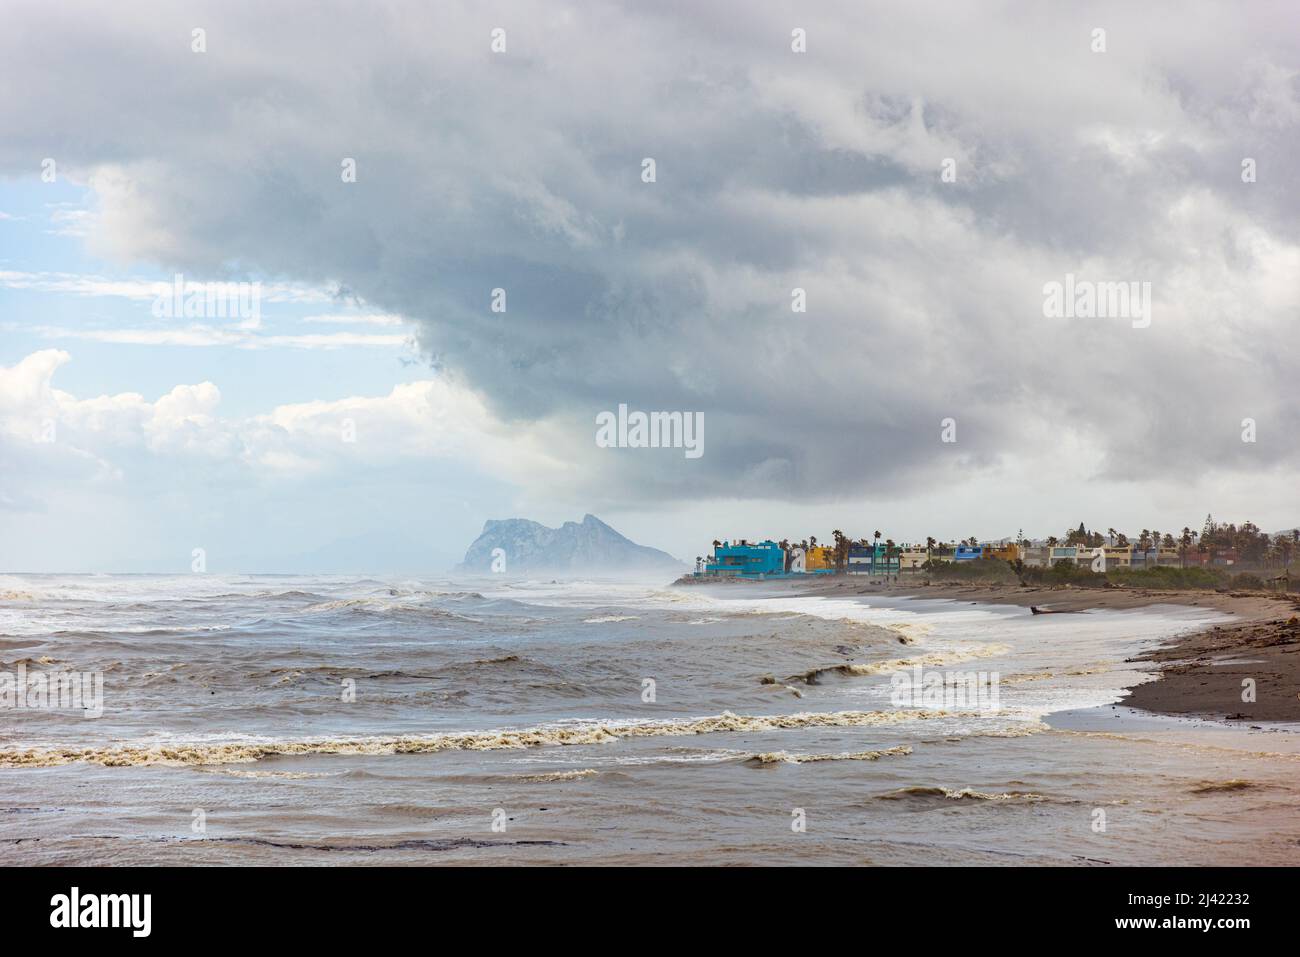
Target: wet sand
point(1205, 673)
point(1201, 671)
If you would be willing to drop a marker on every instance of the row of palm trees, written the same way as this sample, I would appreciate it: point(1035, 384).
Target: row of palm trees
point(1252, 545)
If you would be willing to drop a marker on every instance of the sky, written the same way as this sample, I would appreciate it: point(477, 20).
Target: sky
point(477, 227)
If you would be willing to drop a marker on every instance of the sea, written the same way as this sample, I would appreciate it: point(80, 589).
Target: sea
point(332, 720)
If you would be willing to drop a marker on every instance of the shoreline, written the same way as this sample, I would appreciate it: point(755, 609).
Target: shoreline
point(1200, 673)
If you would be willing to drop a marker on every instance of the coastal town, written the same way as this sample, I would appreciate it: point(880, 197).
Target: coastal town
point(1225, 547)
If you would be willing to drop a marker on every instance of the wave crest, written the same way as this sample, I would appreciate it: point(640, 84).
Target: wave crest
point(963, 794)
point(184, 755)
point(785, 757)
point(935, 659)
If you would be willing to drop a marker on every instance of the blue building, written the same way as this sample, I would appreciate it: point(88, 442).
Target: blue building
point(871, 560)
point(968, 553)
point(763, 559)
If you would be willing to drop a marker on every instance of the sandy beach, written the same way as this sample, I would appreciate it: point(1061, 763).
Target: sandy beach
point(1201, 670)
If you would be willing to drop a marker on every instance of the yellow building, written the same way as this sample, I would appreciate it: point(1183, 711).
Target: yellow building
point(1008, 553)
point(819, 557)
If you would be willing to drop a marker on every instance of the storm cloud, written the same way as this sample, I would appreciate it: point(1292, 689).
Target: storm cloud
point(774, 170)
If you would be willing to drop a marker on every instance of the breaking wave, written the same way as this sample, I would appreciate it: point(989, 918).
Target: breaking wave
point(557, 776)
point(274, 775)
point(936, 659)
point(785, 757)
point(183, 754)
point(922, 792)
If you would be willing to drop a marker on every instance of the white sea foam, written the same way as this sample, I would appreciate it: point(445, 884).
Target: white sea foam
point(182, 753)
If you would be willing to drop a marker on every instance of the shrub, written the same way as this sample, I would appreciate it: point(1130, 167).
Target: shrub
point(1246, 580)
point(1064, 572)
point(990, 570)
point(1168, 576)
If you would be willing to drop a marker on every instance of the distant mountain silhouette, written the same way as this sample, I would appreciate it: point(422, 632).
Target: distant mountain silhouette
point(589, 547)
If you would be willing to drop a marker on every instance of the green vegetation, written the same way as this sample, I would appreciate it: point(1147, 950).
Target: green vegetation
point(1169, 576)
point(995, 571)
point(983, 570)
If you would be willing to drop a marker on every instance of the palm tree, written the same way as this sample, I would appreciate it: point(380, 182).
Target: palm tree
point(1284, 548)
point(1185, 542)
point(841, 551)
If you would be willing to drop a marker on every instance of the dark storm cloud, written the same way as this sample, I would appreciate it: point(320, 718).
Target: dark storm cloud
point(775, 170)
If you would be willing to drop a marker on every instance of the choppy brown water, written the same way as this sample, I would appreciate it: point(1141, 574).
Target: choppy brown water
point(506, 723)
